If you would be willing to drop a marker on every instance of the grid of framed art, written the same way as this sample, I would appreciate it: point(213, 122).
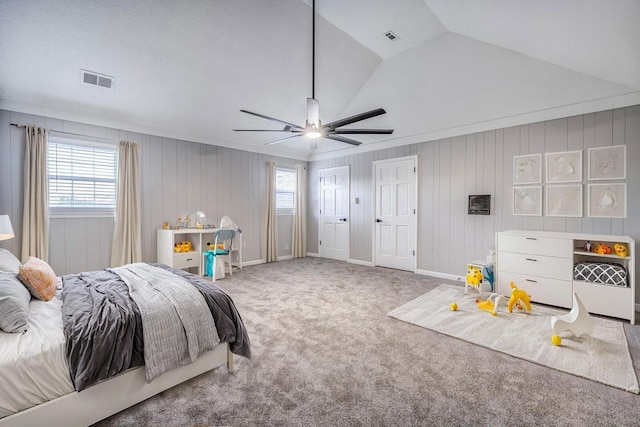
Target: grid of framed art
point(563, 192)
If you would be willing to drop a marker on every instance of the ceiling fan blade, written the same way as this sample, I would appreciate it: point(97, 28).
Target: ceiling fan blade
point(356, 118)
point(361, 131)
point(343, 139)
point(283, 139)
point(273, 119)
point(286, 129)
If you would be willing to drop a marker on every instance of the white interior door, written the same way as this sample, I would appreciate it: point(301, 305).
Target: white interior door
point(395, 213)
point(334, 213)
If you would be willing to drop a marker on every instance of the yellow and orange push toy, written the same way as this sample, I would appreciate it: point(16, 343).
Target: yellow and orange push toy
point(519, 298)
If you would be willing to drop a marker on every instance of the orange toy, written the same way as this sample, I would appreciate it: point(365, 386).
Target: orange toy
point(602, 248)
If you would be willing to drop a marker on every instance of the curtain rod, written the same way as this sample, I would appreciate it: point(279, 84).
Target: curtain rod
point(59, 131)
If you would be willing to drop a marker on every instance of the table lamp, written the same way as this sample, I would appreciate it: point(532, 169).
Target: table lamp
point(6, 231)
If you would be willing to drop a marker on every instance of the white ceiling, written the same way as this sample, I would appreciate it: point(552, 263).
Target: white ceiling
point(184, 69)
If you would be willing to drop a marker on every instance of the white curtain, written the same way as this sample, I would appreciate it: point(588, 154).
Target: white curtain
point(35, 223)
point(299, 227)
point(269, 235)
point(126, 246)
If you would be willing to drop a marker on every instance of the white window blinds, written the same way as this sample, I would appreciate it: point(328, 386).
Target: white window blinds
point(285, 190)
point(82, 177)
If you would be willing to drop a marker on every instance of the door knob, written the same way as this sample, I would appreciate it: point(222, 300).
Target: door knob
point(343, 219)
point(378, 220)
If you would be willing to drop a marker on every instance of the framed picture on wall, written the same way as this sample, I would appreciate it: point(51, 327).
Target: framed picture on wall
point(563, 200)
point(608, 162)
point(564, 167)
point(527, 200)
point(607, 200)
point(527, 169)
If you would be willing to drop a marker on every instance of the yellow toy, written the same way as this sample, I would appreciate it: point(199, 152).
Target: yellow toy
point(519, 298)
point(453, 306)
point(556, 340)
point(602, 248)
point(621, 250)
point(474, 279)
point(490, 304)
point(182, 247)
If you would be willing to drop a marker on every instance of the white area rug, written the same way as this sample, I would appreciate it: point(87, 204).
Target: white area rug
point(604, 357)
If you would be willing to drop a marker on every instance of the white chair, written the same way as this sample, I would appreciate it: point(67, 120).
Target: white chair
point(235, 253)
point(222, 258)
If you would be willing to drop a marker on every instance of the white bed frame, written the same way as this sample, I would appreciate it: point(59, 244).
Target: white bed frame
point(109, 397)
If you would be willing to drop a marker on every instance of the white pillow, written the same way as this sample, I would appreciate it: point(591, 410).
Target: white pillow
point(8, 262)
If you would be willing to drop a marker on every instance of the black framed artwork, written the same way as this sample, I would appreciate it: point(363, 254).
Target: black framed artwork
point(479, 204)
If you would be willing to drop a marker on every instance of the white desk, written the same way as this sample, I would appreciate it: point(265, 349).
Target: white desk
point(192, 261)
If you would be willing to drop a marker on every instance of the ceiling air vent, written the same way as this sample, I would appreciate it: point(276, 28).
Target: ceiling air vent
point(391, 36)
point(96, 79)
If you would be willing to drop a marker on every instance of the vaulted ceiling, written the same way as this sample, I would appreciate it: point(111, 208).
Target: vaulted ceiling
point(184, 69)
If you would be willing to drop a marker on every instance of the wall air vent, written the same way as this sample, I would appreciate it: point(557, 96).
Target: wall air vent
point(391, 36)
point(96, 79)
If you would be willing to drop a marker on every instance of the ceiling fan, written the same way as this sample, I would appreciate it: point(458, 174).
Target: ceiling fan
point(313, 128)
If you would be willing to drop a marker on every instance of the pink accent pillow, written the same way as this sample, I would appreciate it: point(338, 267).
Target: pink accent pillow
point(39, 278)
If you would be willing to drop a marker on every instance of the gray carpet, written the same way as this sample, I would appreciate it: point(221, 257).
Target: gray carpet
point(326, 354)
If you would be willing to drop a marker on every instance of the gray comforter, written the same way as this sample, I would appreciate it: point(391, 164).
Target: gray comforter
point(104, 329)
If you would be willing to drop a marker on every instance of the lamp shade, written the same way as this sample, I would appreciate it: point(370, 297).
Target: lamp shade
point(6, 231)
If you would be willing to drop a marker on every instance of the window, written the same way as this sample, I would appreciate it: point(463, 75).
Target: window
point(82, 177)
point(285, 191)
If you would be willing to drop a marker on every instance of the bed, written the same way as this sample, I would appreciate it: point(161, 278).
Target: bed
point(86, 352)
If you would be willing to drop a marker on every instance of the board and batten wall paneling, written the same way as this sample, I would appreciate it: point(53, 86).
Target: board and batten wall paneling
point(178, 177)
point(482, 163)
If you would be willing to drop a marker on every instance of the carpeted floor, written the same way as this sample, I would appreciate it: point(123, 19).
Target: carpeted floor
point(325, 353)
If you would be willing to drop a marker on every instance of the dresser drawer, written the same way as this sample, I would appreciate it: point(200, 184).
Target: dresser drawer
point(541, 289)
point(536, 265)
point(186, 260)
point(535, 245)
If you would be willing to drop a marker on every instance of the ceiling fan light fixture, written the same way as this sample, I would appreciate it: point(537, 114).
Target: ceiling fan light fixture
point(313, 134)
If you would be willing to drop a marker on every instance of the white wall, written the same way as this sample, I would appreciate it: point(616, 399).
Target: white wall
point(481, 163)
point(178, 177)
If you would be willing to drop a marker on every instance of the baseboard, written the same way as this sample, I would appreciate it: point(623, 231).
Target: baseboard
point(284, 258)
point(360, 262)
point(440, 275)
point(313, 254)
point(254, 262)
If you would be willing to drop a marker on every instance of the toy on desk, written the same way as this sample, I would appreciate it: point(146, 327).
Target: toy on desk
point(212, 246)
point(587, 246)
point(602, 248)
point(621, 250)
point(519, 298)
point(490, 304)
point(182, 247)
point(474, 279)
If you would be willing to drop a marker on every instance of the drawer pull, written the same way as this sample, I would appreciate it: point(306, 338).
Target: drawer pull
point(531, 280)
point(531, 259)
point(189, 259)
point(531, 238)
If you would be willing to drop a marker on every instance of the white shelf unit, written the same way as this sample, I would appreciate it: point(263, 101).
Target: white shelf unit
point(541, 263)
point(192, 261)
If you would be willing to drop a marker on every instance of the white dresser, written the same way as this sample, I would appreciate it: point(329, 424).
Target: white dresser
point(542, 263)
